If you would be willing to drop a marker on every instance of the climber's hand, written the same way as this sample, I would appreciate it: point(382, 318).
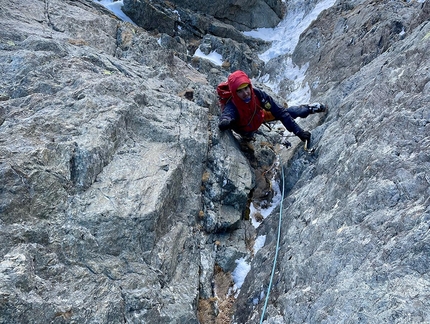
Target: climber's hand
point(224, 123)
point(304, 136)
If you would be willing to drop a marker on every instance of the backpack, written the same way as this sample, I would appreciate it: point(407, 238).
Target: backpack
point(224, 94)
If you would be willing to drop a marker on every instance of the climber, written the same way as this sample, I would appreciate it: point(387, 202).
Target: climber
point(249, 107)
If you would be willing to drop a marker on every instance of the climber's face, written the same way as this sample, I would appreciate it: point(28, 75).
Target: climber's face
point(244, 94)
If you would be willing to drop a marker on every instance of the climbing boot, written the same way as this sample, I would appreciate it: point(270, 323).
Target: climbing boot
point(247, 146)
point(317, 108)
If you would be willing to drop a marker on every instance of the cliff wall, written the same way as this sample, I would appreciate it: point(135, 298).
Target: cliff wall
point(121, 202)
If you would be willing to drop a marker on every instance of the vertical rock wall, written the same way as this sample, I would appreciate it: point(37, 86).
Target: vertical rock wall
point(120, 201)
point(355, 240)
point(100, 169)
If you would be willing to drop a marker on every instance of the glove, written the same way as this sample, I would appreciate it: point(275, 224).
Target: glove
point(317, 108)
point(304, 135)
point(224, 123)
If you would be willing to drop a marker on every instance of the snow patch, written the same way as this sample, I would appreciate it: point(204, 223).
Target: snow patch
point(259, 243)
point(284, 38)
point(264, 212)
point(239, 274)
point(214, 57)
point(286, 35)
point(116, 8)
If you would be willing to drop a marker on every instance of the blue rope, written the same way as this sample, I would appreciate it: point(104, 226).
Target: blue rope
point(276, 252)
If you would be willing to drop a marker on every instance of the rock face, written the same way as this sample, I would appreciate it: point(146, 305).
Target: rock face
point(355, 240)
point(188, 28)
point(244, 15)
point(121, 202)
point(101, 166)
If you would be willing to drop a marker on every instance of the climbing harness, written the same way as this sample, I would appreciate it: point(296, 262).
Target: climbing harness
point(277, 249)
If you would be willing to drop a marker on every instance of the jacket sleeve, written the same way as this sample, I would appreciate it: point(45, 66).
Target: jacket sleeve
point(280, 113)
point(228, 117)
point(229, 112)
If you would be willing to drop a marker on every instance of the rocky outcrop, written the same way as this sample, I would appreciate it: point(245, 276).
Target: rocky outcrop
point(184, 30)
point(120, 201)
point(350, 36)
point(167, 17)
